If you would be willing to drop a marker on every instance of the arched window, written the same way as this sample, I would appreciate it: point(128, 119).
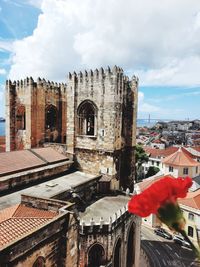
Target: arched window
point(52, 133)
point(130, 247)
point(21, 118)
point(87, 114)
point(40, 262)
point(51, 117)
point(96, 256)
point(117, 254)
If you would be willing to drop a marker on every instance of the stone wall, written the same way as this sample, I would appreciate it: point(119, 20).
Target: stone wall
point(107, 235)
point(114, 99)
point(47, 241)
point(35, 98)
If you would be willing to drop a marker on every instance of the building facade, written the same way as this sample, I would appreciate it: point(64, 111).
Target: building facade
point(94, 115)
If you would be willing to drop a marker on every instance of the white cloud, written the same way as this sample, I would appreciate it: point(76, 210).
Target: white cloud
point(35, 3)
point(144, 107)
point(2, 71)
point(152, 38)
point(6, 46)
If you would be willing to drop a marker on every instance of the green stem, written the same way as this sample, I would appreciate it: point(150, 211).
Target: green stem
point(197, 252)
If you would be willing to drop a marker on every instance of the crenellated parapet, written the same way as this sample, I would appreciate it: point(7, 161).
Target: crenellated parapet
point(21, 85)
point(95, 75)
point(103, 225)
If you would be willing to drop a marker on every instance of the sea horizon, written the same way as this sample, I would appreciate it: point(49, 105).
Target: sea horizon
point(140, 123)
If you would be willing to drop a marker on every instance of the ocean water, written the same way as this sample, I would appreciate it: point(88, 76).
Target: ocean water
point(140, 123)
point(2, 128)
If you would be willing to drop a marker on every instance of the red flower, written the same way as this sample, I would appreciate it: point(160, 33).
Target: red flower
point(158, 194)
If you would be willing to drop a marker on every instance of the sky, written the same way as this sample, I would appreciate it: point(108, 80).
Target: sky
point(159, 41)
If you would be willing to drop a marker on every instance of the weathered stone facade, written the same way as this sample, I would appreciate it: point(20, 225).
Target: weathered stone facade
point(118, 240)
point(94, 115)
point(101, 123)
point(35, 113)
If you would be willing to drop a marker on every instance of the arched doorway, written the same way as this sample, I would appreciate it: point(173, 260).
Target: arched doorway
point(130, 247)
point(51, 124)
point(117, 254)
point(87, 116)
point(40, 262)
point(96, 256)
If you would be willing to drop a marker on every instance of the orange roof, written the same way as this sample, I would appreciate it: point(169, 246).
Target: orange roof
point(18, 161)
point(160, 152)
point(14, 161)
point(149, 181)
point(180, 158)
point(192, 200)
point(18, 220)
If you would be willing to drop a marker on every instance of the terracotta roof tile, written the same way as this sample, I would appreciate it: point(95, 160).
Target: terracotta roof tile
point(18, 161)
point(23, 211)
point(49, 154)
point(13, 228)
point(192, 200)
point(19, 220)
point(155, 153)
point(8, 213)
point(180, 158)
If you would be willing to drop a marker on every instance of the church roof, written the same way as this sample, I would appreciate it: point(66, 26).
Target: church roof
point(192, 200)
point(19, 220)
point(15, 161)
point(180, 158)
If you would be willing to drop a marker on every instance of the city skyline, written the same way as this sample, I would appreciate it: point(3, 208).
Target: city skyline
point(49, 38)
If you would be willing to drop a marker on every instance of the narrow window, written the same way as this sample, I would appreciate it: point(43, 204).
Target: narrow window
point(185, 171)
point(171, 169)
point(190, 231)
point(191, 216)
point(21, 118)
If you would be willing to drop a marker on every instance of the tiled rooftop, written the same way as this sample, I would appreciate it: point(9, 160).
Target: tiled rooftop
point(15, 161)
point(180, 158)
point(19, 220)
point(18, 160)
point(155, 153)
point(49, 154)
point(192, 200)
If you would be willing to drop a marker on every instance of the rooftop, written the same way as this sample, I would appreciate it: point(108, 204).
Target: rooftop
point(49, 189)
point(154, 153)
point(17, 161)
point(18, 220)
point(180, 158)
point(104, 208)
point(192, 200)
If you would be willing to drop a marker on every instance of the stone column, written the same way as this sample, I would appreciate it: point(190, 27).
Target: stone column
point(137, 242)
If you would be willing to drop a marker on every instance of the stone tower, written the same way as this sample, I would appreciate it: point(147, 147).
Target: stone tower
point(101, 123)
point(35, 113)
point(94, 115)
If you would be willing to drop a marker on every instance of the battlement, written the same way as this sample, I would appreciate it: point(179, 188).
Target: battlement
point(103, 225)
point(22, 84)
point(96, 74)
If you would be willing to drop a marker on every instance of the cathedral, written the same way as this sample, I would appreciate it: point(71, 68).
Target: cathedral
point(91, 121)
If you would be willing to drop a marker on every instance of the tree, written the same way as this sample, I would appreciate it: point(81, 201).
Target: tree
point(140, 158)
point(152, 171)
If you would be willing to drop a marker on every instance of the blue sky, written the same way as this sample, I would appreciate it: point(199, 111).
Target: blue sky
point(154, 40)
